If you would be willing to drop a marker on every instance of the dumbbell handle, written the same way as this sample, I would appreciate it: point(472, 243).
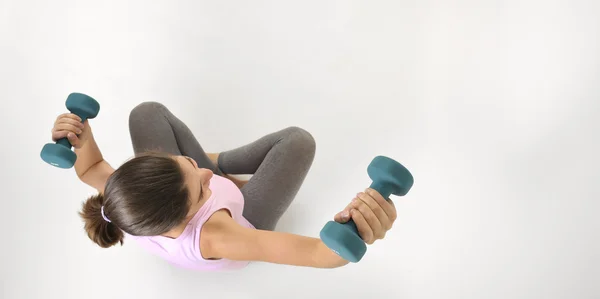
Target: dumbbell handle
point(65, 141)
point(384, 189)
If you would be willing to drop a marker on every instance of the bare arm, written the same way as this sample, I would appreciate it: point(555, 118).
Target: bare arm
point(222, 237)
point(91, 168)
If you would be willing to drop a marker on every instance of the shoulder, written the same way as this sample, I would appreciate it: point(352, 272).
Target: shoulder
point(217, 230)
point(219, 219)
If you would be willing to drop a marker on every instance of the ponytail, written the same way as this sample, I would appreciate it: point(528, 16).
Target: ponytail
point(102, 232)
point(146, 196)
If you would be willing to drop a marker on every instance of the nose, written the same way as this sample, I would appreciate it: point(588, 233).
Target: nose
point(206, 173)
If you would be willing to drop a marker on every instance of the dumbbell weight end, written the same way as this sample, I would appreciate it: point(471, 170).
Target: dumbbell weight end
point(59, 154)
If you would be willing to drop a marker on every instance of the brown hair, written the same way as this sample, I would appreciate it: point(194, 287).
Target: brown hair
point(146, 196)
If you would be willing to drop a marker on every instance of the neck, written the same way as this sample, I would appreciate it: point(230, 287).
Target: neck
point(178, 230)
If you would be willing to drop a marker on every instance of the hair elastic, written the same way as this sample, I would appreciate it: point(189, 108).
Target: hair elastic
point(104, 216)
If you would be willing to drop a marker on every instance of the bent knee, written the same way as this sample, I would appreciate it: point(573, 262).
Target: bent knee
point(144, 109)
point(302, 141)
point(146, 112)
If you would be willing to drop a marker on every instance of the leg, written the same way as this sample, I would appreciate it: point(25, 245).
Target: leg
point(153, 127)
point(279, 163)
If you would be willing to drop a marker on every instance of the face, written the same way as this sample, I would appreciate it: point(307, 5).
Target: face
point(197, 181)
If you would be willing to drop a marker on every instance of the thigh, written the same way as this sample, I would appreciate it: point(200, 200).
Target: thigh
point(150, 130)
point(279, 177)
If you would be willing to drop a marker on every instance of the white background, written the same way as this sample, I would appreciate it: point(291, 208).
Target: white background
point(493, 106)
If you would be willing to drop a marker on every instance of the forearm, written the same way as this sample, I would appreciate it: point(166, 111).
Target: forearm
point(326, 258)
point(91, 168)
point(87, 156)
point(291, 249)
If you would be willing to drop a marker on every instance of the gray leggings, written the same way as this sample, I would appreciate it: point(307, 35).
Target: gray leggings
point(279, 161)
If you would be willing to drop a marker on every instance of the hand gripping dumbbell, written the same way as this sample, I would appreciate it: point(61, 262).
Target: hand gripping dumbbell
point(389, 177)
point(59, 154)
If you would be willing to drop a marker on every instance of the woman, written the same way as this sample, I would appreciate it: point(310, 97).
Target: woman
point(181, 203)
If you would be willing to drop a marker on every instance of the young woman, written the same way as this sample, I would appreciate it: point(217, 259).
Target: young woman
point(181, 203)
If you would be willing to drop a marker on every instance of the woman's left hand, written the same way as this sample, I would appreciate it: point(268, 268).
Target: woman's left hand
point(372, 214)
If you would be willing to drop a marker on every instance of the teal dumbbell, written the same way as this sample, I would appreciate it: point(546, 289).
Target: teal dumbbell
point(389, 177)
point(59, 154)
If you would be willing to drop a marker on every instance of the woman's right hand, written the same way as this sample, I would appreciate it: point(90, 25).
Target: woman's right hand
point(69, 125)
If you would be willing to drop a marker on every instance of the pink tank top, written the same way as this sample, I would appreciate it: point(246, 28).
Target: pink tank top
point(184, 251)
